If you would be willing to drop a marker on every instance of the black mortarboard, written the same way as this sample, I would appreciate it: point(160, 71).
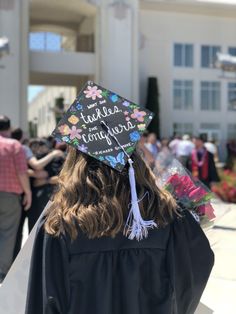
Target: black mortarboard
point(107, 127)
point(95, 111)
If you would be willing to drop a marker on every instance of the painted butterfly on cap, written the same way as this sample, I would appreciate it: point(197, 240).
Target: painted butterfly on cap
point(119, 159)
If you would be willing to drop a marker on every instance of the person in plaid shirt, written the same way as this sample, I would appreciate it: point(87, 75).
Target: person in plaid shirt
point(14, 182)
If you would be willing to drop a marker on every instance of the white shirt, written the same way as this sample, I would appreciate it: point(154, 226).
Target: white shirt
point(211, 147)
point(184, 148)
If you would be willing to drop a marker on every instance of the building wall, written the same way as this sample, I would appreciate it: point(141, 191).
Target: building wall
point(159, 32)
point(40, 109)
point(14, 67)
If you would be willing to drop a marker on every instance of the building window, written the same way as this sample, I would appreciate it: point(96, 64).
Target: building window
point(182, 128)
point(231, 131)
point(211, 130)
point(210, 95)
point(232, 96)
point(232, 51)
point(45, 41)
point(208, 55)
point(183, 94)
point(183, 55)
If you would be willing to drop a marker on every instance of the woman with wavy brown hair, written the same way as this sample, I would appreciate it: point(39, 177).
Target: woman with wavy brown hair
point(89, 266)
point(112, 242)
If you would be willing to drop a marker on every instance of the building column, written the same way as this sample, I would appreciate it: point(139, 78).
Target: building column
point(14, 67)
point(117, 31)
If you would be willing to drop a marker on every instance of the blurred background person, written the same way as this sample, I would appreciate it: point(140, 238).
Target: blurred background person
point(42, 188)
point(145, 153)
point(184, 149)
point(14, 182)
point(164, 157)
point(35, 170)
point(152, 144)
point(231, 155)
point(173, 145)
point(212, 148)
point(202, 164)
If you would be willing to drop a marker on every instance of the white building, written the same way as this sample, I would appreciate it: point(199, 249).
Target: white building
point(41, 109)
point(119, 44)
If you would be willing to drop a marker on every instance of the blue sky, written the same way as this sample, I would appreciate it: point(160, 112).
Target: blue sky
point(33, 91)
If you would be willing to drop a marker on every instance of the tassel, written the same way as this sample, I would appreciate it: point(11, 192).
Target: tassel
point(136, 226)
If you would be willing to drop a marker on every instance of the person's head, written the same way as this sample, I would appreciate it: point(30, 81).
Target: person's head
point(17, 134)
point(186, 137)
point(152, 138)
point(96, 197)
point(199, 142)
point(5, 126)
point(39, 147)
point(51, 141)
point(164, 142)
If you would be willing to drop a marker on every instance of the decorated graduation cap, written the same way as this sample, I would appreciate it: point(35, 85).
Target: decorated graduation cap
point(107, 127)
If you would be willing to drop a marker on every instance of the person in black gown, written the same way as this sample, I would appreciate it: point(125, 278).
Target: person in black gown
point(86, 260)
point(202, 164)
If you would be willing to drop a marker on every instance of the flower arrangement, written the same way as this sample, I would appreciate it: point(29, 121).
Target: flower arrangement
point(226, 188)
point(190, 195)
point(188, 191)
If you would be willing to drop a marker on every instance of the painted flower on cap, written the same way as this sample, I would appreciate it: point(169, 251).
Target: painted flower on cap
point(126, 103)
point(83, 148)
point(64, 129)
point(74, 133)
point(93, 92)
point(138, 115)
point(65, 139)
point(79, 106)
point(134, 136)
point(141, 126)
point(114, 98)
point(73, 119)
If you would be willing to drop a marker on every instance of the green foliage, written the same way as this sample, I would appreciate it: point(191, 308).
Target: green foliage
point(153, 105)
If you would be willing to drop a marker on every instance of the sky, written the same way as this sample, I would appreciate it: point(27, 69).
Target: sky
point(33, 91)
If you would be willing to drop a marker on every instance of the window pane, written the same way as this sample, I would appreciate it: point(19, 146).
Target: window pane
point(210, 95)
point(232, 131)
point(188, 103)
point(232, 96)
point(215, 105)
point(205, 56)
point(232, 51)
point(215, 49)
point(53, 42)
point(178, 48)
point(188, 55)
point(204, 100)
point(37, 41)
point(177, 99)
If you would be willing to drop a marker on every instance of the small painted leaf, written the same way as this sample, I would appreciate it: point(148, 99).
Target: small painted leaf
point(129, 150)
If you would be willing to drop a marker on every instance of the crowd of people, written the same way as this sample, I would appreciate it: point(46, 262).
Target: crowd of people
point(29, 170)
point(196, 154)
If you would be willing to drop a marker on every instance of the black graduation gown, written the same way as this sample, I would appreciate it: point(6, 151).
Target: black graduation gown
point(163, 274)
point(212, 171)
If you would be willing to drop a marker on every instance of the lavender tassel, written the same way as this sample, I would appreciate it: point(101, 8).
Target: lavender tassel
point(135, 226)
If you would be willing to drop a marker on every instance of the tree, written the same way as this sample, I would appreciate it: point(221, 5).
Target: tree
point(59, 108)
point(153, 105)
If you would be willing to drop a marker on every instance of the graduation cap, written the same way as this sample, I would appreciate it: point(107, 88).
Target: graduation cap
point(107, 127)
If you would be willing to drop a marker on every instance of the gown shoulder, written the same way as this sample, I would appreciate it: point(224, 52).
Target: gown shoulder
point(165, 273)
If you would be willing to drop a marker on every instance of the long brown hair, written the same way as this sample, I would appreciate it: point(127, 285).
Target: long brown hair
point(96, 197)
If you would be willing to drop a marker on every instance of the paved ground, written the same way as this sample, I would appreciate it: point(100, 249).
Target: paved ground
point(220, 293)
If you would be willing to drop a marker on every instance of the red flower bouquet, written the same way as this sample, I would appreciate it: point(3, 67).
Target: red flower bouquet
point(190, 195)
